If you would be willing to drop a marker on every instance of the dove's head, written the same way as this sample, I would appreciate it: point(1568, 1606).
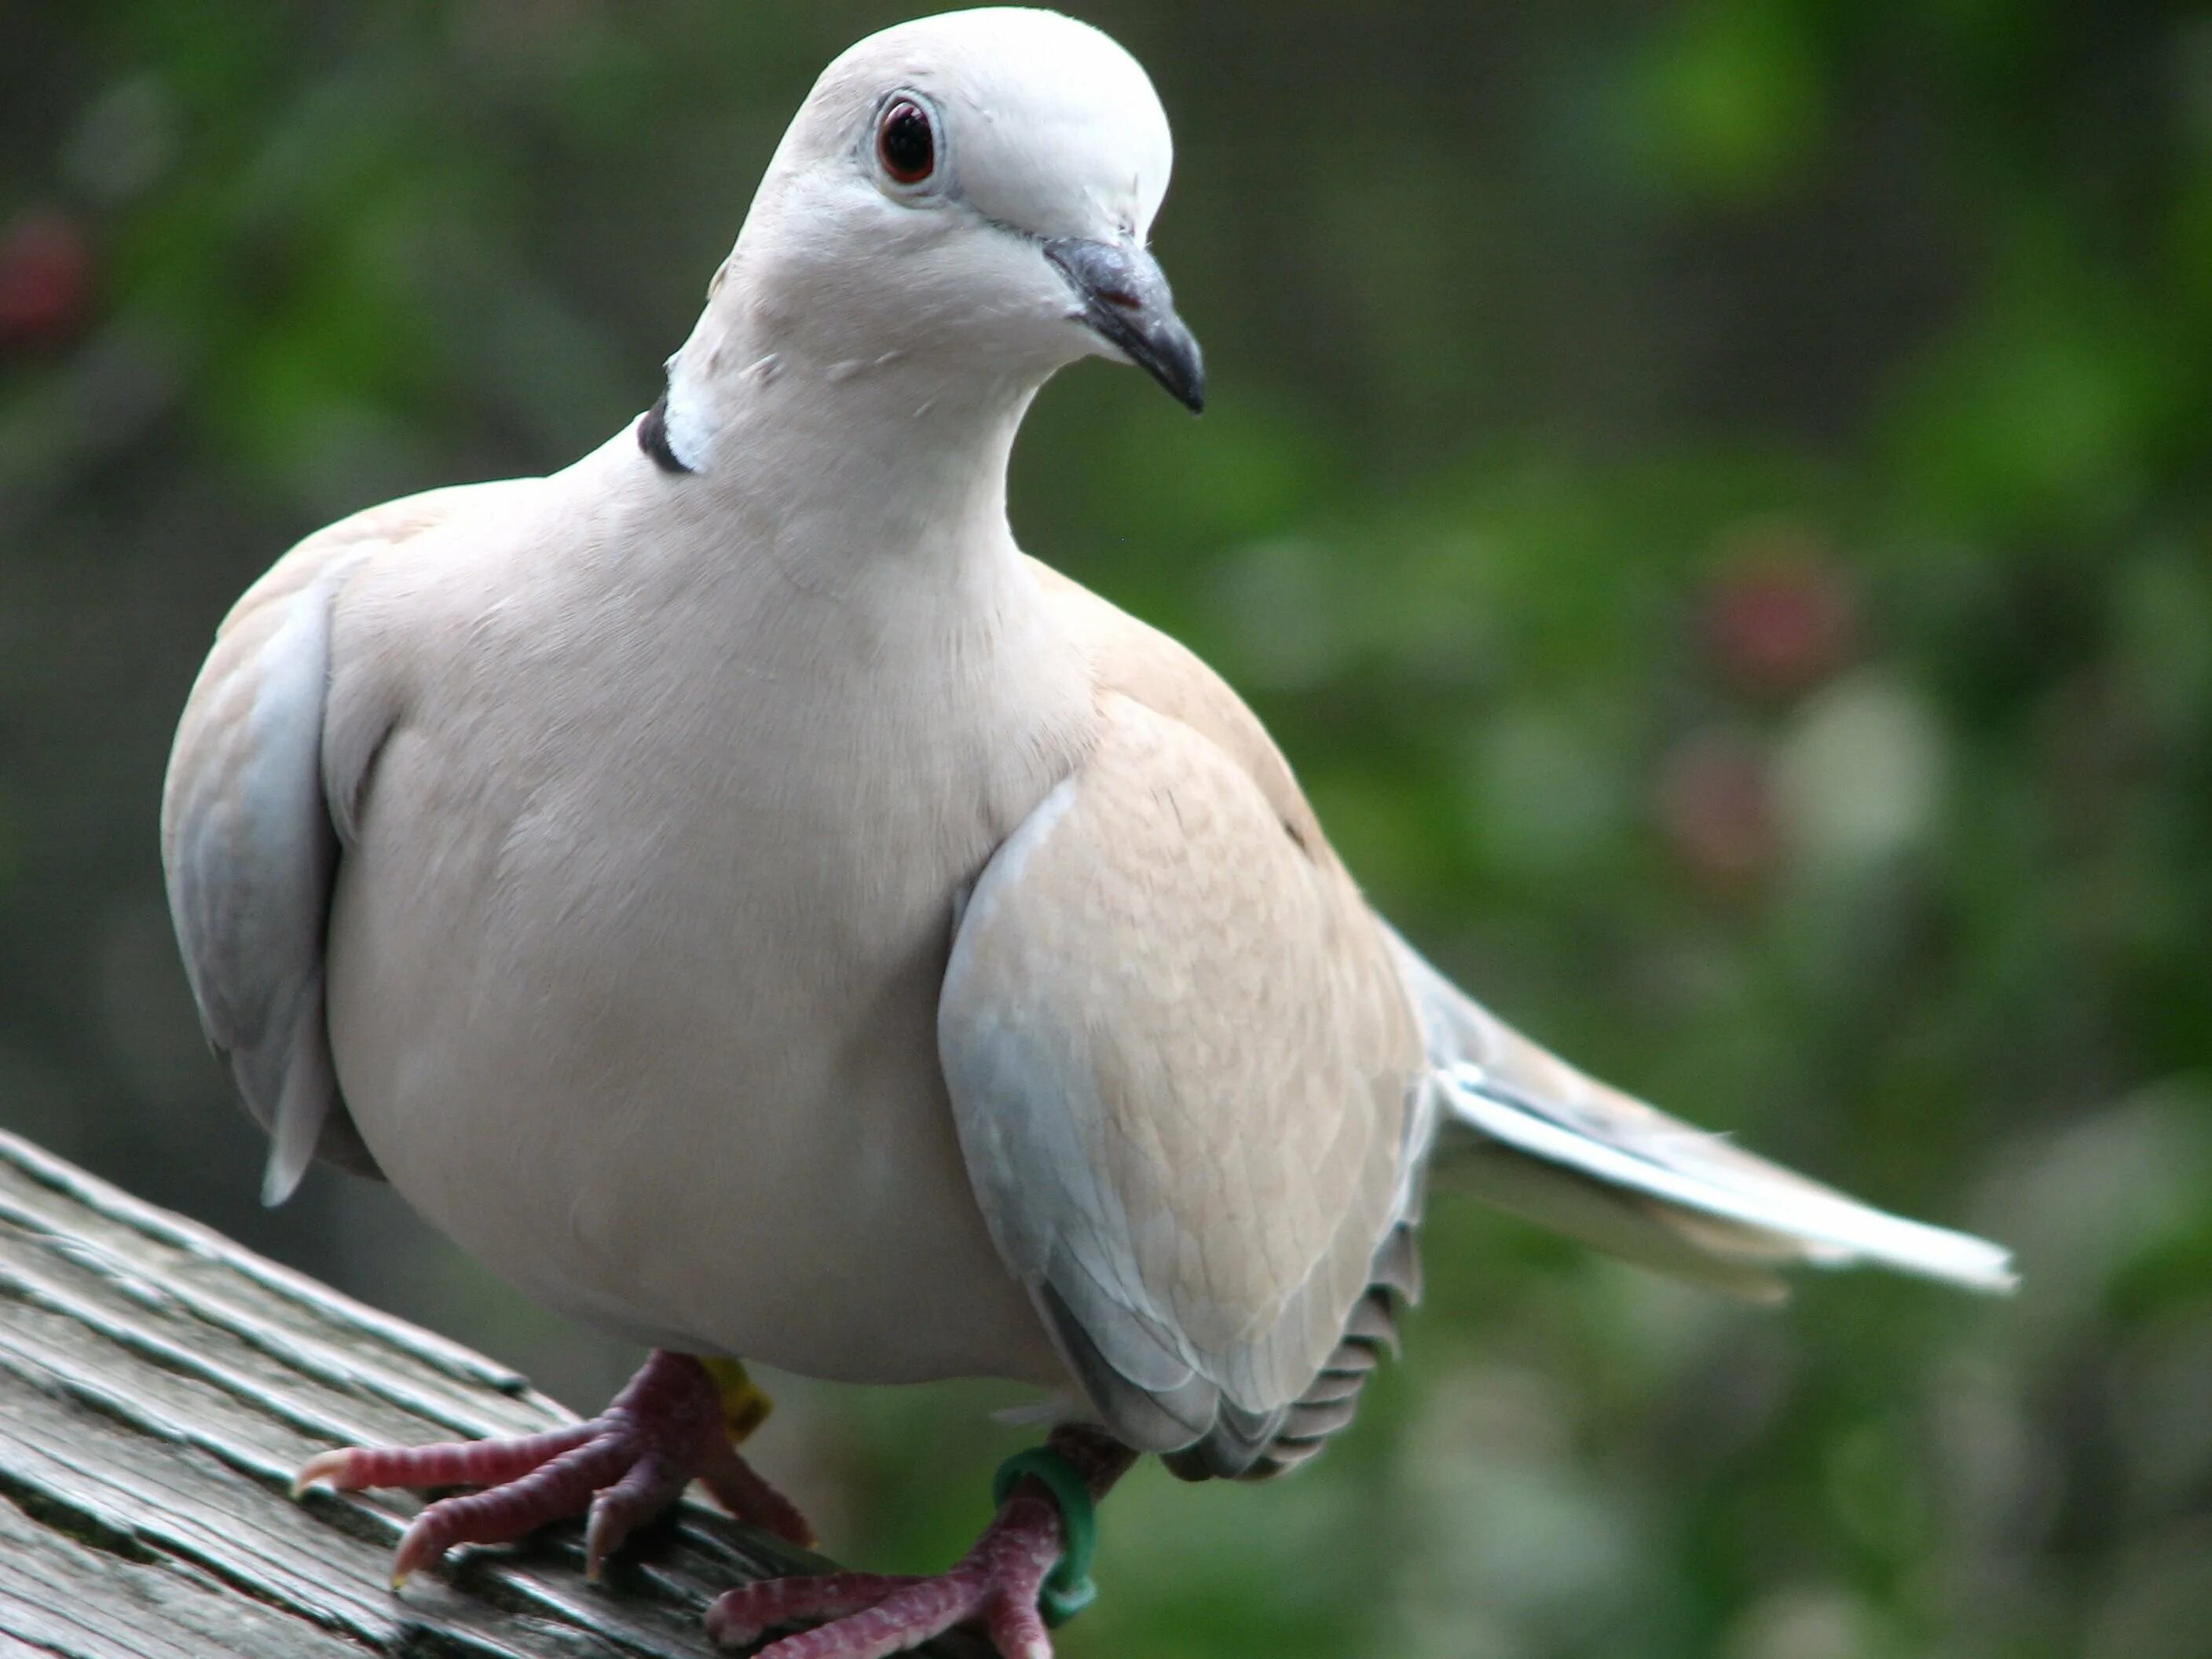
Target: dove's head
point(967, 195)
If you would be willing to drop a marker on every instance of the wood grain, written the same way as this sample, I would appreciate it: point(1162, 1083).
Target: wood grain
point(158, 1387)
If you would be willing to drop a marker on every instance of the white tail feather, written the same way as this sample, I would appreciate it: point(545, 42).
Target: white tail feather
point(1825, 1228)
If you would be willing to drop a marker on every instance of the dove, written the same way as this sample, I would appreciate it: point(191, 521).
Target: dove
point(731, 889)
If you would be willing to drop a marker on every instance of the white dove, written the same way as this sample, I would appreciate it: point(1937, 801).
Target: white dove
point(729, 888)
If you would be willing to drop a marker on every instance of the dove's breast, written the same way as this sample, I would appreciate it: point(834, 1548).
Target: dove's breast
point(633, 969)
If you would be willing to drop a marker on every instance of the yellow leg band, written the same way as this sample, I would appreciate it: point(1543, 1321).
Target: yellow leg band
point(744, 1408)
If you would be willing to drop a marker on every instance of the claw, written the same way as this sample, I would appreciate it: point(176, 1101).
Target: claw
point(670, 1423)
point(870, 1615)
point(330, 1466)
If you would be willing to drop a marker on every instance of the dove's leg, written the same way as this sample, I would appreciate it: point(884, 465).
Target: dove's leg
point(676, 1420)
point(996, 1584)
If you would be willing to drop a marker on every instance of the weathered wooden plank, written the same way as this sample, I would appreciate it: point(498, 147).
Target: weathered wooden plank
point(158, 1387)
point(67, 1597)
point(92, 1208)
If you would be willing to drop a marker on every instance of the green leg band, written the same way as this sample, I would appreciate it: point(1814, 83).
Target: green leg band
point(1067, 1588)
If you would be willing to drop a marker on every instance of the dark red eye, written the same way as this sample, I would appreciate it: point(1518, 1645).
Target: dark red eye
point(905, 143)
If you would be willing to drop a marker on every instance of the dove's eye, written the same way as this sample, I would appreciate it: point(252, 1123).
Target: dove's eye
point(906, 141)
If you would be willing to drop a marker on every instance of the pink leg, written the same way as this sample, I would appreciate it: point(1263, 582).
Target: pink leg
point(871, 1615)
point(626, 1465)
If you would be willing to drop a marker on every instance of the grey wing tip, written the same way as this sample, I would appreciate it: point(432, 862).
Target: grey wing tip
point(1181, 1410)
point(293, 1136)
point(281, 1175)
point(303, 1104)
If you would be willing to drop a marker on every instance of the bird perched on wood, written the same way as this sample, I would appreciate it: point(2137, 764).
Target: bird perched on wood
point(729, 888)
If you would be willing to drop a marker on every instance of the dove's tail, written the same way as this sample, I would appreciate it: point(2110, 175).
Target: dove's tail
point(1522, 1128)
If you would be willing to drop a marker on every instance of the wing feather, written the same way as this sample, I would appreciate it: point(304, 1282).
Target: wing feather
point(250, 846)
point(1180, 1062)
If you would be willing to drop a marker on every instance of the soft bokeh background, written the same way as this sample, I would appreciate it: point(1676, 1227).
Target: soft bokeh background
point(1714, 500)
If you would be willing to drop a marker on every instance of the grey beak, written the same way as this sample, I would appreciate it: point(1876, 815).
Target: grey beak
point(1127, 303)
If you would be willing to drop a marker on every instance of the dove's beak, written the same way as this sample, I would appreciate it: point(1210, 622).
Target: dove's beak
point(1126, 302)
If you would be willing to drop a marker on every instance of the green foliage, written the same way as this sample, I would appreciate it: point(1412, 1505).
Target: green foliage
point(1713, 500)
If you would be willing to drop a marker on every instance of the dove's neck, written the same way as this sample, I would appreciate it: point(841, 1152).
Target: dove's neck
point(883, 456)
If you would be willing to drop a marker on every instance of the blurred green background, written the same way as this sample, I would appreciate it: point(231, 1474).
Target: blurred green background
point(1713, 498)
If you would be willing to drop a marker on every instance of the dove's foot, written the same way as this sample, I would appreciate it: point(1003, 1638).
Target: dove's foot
point(858, 1615)
point(676, 1421)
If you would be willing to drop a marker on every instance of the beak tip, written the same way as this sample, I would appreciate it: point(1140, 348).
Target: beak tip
point(1176, 365)
point(1124, 299)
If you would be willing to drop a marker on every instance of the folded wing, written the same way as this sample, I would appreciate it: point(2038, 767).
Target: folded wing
point(1182, 1066)
point(250, 837)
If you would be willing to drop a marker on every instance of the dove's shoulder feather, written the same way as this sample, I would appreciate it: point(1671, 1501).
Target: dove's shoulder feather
point(1134, 660)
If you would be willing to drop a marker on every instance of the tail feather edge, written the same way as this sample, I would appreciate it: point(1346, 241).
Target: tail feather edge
point(1746, 1219)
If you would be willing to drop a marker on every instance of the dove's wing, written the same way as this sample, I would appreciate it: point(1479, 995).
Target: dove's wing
point(1528, 1131)
point(251, 821)
point(1184, 1068)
